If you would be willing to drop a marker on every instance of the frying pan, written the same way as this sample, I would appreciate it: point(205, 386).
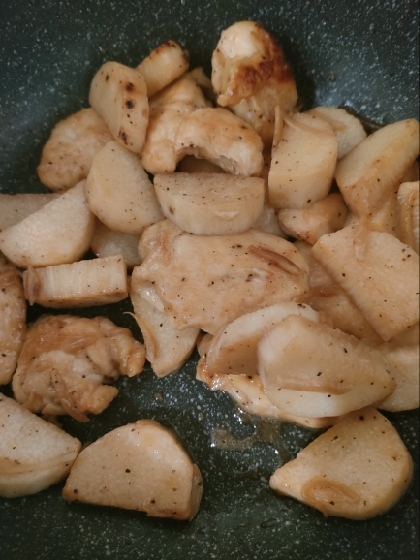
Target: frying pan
point(363, 55)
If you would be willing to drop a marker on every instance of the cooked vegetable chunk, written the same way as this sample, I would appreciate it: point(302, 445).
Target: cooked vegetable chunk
point(108, 243)
point(15, 207)
point(408, 201)
point(404, 368)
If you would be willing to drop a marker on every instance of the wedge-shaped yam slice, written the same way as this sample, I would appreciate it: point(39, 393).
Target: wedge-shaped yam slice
point(359, 468)
point(164, 64)
point(167, 348)
point(119, 94)
point(108, 243)
point(138, 466)
point(222, 138)
point(58, 233)
point(81, 284)
point(210, 203)
point(268, 221)
point(119, 191)
point(404, 368)
point(369, 176)
point(33, 453)
point(67, 362)
point(234, 349)
point(15, 207)
point(208, 281)
point(190, 164)
point(408, 200)
point(312, 370)
point(68, 154)
point(12, 319)
point(302, 163)
point(326, 216)
point(347, 128)
point(378, 272)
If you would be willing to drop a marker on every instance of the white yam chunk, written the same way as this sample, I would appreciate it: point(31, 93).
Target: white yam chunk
point(108, 243)
point(378, 272)
point(404, 368)
point(347, 128)
point(359, 468)
point(119, 94)
point(58, 233)
point(81, 284)
point(309, 224)
point(33, 453)
point(139, 466)
point(15, 207)
point(119, 191)
point(167, 348)
point(165, 63)
point(210, 203)
point(68, 154)
point(312, 370)
point(408, 200)
point(302, 163)
point(268, 222)
point(222, 138)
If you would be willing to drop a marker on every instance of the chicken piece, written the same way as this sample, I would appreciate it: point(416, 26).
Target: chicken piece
point(404, 368)
point(251, 75)
point(166, 111)
point(12, 319)
point(68, 154)
point(222, 138)
point(207, 281)
point(359, 468)
point(33, 453)
point(151, 472)
point(15, 207)
point(408, 201)
point(164, 64)
point(66, 360)
point(108, 243)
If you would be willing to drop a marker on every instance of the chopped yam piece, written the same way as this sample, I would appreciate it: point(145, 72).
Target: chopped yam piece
point(408, 200)
point(222, 138)
point(15, 207)
point(326, 216)
point(12, 319)
point(167, 348)
point(81, 284)
point(312, 370)
point(164, 64)
point(404, 368)
point(119, 191)
point(119, 95)
point(303, 163)
point(150, 472)
point(378, 272)
point(359, 468)
point(68, 154)
point(65, 360)
point(58, 233)
point(33, 453)
point(268, 221)
point(108, 243)
point(210, 203)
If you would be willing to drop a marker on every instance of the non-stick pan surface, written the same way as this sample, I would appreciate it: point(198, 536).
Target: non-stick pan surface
point(355, 53)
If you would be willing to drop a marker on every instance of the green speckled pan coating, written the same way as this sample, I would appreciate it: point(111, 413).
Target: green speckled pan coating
point(360, 54)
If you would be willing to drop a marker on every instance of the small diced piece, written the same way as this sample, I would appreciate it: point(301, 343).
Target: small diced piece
point(81, 284)
point(378, 272)
point(404, 368)
point(70, 149)
point(210, 203)
point(119, 192)
point(139, 466)
point(167, 348)
point(408, 200)
point(308, 224)
point(108, 243)
point(33, 453)
point(359, 468)
point(58, 233)
point(312, 370)
point(119, 94)
point(164, 64)
point(15, 207)
point(302, 163)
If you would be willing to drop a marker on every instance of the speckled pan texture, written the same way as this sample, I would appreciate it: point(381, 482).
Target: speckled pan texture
point(354, 53)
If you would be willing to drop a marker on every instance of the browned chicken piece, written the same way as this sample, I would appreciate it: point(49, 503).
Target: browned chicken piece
point(68, 154)
point(251, 75)
point(12, 319)
point(67, 362)
point(206, 281)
